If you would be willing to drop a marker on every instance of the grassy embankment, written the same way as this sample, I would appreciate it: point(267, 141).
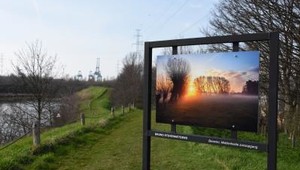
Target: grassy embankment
point(118, 146)
point(121, 149)
point(94, 103)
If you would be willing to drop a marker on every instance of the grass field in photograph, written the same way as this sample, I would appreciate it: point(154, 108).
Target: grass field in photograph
point(219, 111)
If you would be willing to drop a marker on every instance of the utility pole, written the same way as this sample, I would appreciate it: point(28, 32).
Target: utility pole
point(1, 64)
point(138, 41)
point(118, 68)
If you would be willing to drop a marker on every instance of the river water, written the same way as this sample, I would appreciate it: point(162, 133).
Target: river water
point(21, 109)
point(16, 118)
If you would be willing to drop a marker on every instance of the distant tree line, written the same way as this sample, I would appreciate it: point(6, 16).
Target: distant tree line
point(251, 87)
point(12, 84)
point(127, 88)
point(212, 85)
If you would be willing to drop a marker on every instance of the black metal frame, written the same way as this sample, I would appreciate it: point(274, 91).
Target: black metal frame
point(270, 147)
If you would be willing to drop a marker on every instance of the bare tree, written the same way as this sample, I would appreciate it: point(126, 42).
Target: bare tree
point(68, 110)
point(181, 50)
point(128, 86)
point(222, 85)
point(212, 85)
point(200, 83)
point(35, 72)
point(251, 16)
point(163, 87)
point(178, 70)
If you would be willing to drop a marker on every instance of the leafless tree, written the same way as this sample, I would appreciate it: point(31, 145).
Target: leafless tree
point(251, 87)
point(128, 86)
point(222, 85)
point(178, 70)
point(200, 84)
point(180, 50)
point(212, 85)
point(68, 110)
point(251, 16)
point(163, 87)
point(35, 71)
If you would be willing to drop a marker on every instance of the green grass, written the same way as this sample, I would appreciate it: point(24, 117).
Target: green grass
point(74, 147)
point(117, 144)
point(107, 149)
point(94, 101)
point(21, 153)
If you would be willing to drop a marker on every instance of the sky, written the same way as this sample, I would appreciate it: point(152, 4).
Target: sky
point(80, 31)
point(236, 67)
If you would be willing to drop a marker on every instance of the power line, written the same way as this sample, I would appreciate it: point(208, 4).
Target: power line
point(173, 15)
point(161, 16)
point(178, 10)
point(192, 25)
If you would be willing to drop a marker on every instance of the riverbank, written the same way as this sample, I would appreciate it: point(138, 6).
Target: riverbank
point(116, 143)
point(22, 153)
point(6, 97)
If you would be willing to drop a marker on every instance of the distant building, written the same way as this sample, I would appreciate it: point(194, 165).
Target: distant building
point(91, 76)
point(79, 76)
point(97, 74)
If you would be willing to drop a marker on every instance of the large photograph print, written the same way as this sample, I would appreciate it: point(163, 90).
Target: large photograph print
point(217, 90)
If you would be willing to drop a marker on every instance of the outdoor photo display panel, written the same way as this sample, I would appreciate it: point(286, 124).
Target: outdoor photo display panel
point(217, 90)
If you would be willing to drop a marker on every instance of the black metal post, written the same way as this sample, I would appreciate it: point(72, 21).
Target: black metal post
point(173, 127)
point(147, 107)
point(273, 94)
point(174, 52)
point(234, 134)
point(235, 47)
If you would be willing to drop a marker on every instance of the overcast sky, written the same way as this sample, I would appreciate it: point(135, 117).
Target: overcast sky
point(79, 31)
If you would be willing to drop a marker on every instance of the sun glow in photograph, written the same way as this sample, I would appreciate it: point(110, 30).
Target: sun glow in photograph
point(216, 90)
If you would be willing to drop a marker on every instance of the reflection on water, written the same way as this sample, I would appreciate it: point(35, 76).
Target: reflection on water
point(16, 118)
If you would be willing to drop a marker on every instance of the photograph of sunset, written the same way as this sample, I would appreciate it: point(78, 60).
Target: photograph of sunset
point(217, 90)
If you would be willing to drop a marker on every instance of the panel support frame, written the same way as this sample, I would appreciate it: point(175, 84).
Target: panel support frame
point(270, 147)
